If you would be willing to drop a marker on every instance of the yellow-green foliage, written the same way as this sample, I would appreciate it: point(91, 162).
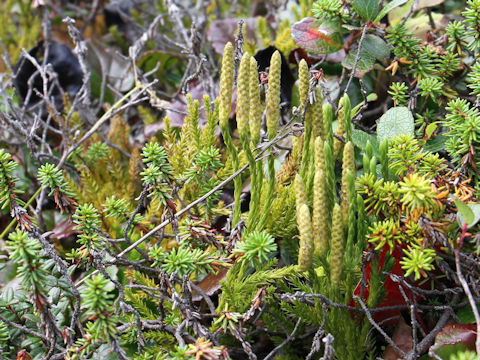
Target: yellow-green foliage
point(238, 288)
point(109, 173)
point(191, 129)
point(133, 170)
point(147, 115)
point(20, 27)
point(148, 309)
point(264, 31)
point(284, 41)
point(303, 9)
point(281, 219)
point(209, 136)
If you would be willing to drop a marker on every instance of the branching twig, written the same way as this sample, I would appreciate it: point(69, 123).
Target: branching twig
point(289, 338)
point(465, 286)
point(357, 58)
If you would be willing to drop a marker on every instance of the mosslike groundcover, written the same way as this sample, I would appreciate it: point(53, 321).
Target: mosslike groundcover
point(231, 180)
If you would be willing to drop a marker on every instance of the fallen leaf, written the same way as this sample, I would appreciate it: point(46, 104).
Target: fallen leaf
point(210, 284)
point(222, 31)
point(402, 337)
point(63, 230)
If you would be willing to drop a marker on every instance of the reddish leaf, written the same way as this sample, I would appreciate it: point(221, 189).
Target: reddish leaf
point(402, 337)
point(298, 54)
point(316, 36)
point(393, 297)
point(210, 284)
point(23, 355)
point(222, 31)
point(63, 230)
point(453, 338)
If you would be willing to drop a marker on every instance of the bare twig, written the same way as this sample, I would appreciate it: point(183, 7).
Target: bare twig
point(379, 329)
point(465, 286)
point(357, 58)
point(289, 338)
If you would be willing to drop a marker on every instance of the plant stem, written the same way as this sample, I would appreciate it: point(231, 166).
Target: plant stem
point(14, 220)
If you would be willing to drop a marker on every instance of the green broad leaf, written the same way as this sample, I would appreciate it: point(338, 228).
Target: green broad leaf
point(33, 318)
point(435, 144)
point(465, 315)
point(367, 9)
point(396, 121)
point(376, 47)
point(365, 61)
point(360, 139)
point(467, 213)
point(104, 352)
point(351, 27)
point(385, 10)
point(317, 36)
point(7, 297)
point(430, 129)
point(370, 97)
point(420, 25)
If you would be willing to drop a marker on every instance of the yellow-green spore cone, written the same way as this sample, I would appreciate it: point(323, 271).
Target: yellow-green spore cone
point(303, 82)
point(273, 95)
point(320, 221)
point(305, 250)
point(226, 84)
point(348, 165)
point(336, 254)
point(319, 156)
point(243, 95)
point(300, 191)
point(255, 110)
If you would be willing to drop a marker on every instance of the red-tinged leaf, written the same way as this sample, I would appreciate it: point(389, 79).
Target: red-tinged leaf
point(320, 37)
point(63, 230)
point(210, 284)
point(298, 54)
point(66, 336)
point(171, 205)
point(393, 296)
point(453, 338)
point(222, 31)
point(23, 355)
